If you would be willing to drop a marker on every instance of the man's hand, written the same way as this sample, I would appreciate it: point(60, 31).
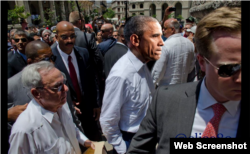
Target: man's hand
point(88, 144)
point(167, 12)
point(15, 111)
point(78, 111)
point(96, 113)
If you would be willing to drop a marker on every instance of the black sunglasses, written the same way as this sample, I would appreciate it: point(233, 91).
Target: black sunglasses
point(22, 39)
point(51, 58)
point(64, 37)
point(226, 70)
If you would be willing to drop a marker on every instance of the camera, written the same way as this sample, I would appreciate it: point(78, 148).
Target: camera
point(172, 9)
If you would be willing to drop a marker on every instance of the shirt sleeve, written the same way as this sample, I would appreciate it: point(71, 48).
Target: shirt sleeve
point(22, 143)
point(160, 66)
point(80, 136)
point(114, 97)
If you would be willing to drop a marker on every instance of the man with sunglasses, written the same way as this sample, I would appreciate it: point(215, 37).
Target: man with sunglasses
point(17, 61)
point(19, 96)
point(210, 108)
point(74, 62)
point(46, 125)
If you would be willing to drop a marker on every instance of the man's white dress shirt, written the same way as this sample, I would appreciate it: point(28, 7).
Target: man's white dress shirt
point(204, 112)
point(128, 93)
point(39, 131)
point(176, 62)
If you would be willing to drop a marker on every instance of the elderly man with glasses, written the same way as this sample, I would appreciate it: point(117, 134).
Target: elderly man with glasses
point(18, 95)
point(210, 108)
point(46, 125)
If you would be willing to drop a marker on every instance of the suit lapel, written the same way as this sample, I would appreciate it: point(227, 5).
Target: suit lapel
point(187, 109)
point(20, 59)
point(61, 66)
point(81, 67)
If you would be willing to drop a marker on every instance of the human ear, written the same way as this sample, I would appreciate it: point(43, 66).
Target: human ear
point(134, 39)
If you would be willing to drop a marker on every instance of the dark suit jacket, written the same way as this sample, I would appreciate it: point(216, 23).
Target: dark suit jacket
point(171, 112)
point(88, 84)
point(95, 58)
point(86, 76)
point(90, 45)
point(112, 56)
point(20, 95)
point(15, 64)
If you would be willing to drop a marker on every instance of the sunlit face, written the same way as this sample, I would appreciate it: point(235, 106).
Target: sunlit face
point(66, 39)
point(115, 35)
point(22, 42)
point(99, 36)
point(151, 42)
point(227, 49)
point(46, 37)
point(167, 30)
point(50, 98)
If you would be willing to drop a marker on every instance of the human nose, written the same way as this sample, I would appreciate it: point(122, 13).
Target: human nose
point(161, 43)
point(237, 77)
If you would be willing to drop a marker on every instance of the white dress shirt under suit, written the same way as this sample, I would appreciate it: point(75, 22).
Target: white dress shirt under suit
point(229, 121)
point(39, 131)
point(128, 93)
point(176, 62)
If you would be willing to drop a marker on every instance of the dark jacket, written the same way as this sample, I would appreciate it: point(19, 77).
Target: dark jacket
point(103, 47)
point(15, 64)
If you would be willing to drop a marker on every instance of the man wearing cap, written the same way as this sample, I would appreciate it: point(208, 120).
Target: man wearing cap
point(192, 32)
point(177, 59)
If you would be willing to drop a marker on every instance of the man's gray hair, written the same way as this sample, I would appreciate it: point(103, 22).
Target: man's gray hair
point(137, 25)
point(176, 25)
point(46, 31)
point(21, 32)
point(31, 77)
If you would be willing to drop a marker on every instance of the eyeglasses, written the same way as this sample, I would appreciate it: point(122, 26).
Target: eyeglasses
point(51, 58)
point(226, 70)
point(56, 89)
point(64, 37)
point(103, 31)
point(22, 39)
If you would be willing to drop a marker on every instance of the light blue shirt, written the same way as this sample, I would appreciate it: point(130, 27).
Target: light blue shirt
point(23, 55)
point(128, 93)
point(204, 112)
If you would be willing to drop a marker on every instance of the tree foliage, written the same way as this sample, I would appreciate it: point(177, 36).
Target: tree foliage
point(16, 14)
point(109, 14)
point(50, 21)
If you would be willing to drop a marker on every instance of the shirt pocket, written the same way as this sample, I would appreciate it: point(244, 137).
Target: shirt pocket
point(60, 147)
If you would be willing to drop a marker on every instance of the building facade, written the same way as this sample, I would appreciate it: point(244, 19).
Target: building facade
point(60, 10)
point(119, 7)
point(156, 8)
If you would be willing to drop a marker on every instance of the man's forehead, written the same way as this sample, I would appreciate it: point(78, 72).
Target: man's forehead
point(20, 36)
point(66, 32)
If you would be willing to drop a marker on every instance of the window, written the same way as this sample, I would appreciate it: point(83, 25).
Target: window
point(141, 6)
point(133, 6)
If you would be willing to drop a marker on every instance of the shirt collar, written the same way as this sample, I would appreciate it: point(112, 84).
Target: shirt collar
point(207, 100)
point(135, 61)
point(121, 43)
point(23, 55)
point(63, 54)
point(48, 115)
point(174, 35)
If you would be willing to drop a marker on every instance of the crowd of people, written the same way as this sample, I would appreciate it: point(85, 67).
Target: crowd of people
point(136, 85)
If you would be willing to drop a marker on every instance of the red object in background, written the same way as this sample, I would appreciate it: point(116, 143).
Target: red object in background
point(89, 26)
point(47, 27)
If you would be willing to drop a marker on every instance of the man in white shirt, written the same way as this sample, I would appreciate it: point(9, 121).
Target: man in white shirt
point(46, 126)
point(129, 87)
point(210, 108)
point(177, 58)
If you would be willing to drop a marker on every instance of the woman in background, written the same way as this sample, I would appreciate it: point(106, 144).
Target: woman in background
point(98, 37)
